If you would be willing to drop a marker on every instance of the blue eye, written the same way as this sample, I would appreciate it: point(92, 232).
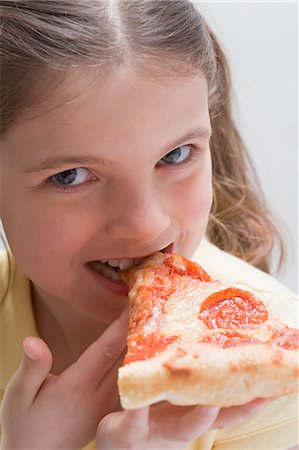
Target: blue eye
point(177, 156)
point(71, 177)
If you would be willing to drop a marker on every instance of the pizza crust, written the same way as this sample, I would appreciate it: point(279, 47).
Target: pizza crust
point(206, 374)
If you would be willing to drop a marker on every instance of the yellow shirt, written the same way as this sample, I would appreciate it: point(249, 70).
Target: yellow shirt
point(274, 428)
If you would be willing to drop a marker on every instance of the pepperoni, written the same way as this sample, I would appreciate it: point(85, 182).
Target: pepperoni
point(287, 338)
point(145, 347)
point(233, 308)
point(229, 339)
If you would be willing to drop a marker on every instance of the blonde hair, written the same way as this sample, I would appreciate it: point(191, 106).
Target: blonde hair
point(157, 38)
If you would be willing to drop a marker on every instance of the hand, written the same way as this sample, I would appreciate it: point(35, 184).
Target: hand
point(40, 409)
point(167, 426)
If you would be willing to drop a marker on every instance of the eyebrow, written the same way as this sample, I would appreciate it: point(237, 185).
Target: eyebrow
point(55, 162)
point(196, 133)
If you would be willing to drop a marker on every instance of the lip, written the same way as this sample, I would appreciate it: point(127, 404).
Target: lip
point(167, 249)
point(118, 287)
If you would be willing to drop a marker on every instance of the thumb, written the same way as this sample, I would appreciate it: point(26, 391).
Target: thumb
point(33, 370)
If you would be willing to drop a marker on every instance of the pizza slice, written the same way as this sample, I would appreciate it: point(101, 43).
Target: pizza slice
point(193, 340)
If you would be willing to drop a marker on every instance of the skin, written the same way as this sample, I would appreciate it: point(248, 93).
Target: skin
point(129, 203)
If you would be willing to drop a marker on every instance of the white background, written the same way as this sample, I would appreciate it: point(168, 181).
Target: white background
point(260, 41)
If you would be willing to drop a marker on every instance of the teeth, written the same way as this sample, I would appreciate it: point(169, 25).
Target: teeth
point(104, 270)
point(111, 274)
point(123, 264)
point(113, 262)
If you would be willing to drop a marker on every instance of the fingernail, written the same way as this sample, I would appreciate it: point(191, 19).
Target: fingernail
point(30, 349)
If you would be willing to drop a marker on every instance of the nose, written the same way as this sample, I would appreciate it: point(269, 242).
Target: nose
point(137, 214)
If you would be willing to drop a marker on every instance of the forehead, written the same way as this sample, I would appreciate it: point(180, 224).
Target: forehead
point(120, 110)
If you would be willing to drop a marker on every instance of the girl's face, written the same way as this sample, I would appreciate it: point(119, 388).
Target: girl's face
point(116, 173)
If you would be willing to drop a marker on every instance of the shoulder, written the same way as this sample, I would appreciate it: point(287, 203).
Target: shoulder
point(16, 315)
point(13, 282)
point(275, 427)
point(233, 271)
point(230, 269)
point(6, 271)
point(15, 288)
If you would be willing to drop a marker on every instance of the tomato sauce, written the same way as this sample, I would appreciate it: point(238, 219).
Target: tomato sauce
point(226, 339)
point(151, 302)
point(145, 347)
point(287, 338)
point(233, 308)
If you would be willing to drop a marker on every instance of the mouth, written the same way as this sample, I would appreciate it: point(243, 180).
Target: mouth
point(110, 268)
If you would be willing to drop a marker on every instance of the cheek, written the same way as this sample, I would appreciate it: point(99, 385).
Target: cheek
point(51, 253)
point(44, 237)
point(195, 199)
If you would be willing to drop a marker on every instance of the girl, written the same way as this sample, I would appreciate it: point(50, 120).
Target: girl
point(113, 115)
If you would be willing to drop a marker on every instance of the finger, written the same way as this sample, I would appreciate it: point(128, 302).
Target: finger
point(134, 424)
point(100, 356)
point(196, 422)
point(32, 372)
point(126, 429)
point(106, 393)
point(237, 414)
